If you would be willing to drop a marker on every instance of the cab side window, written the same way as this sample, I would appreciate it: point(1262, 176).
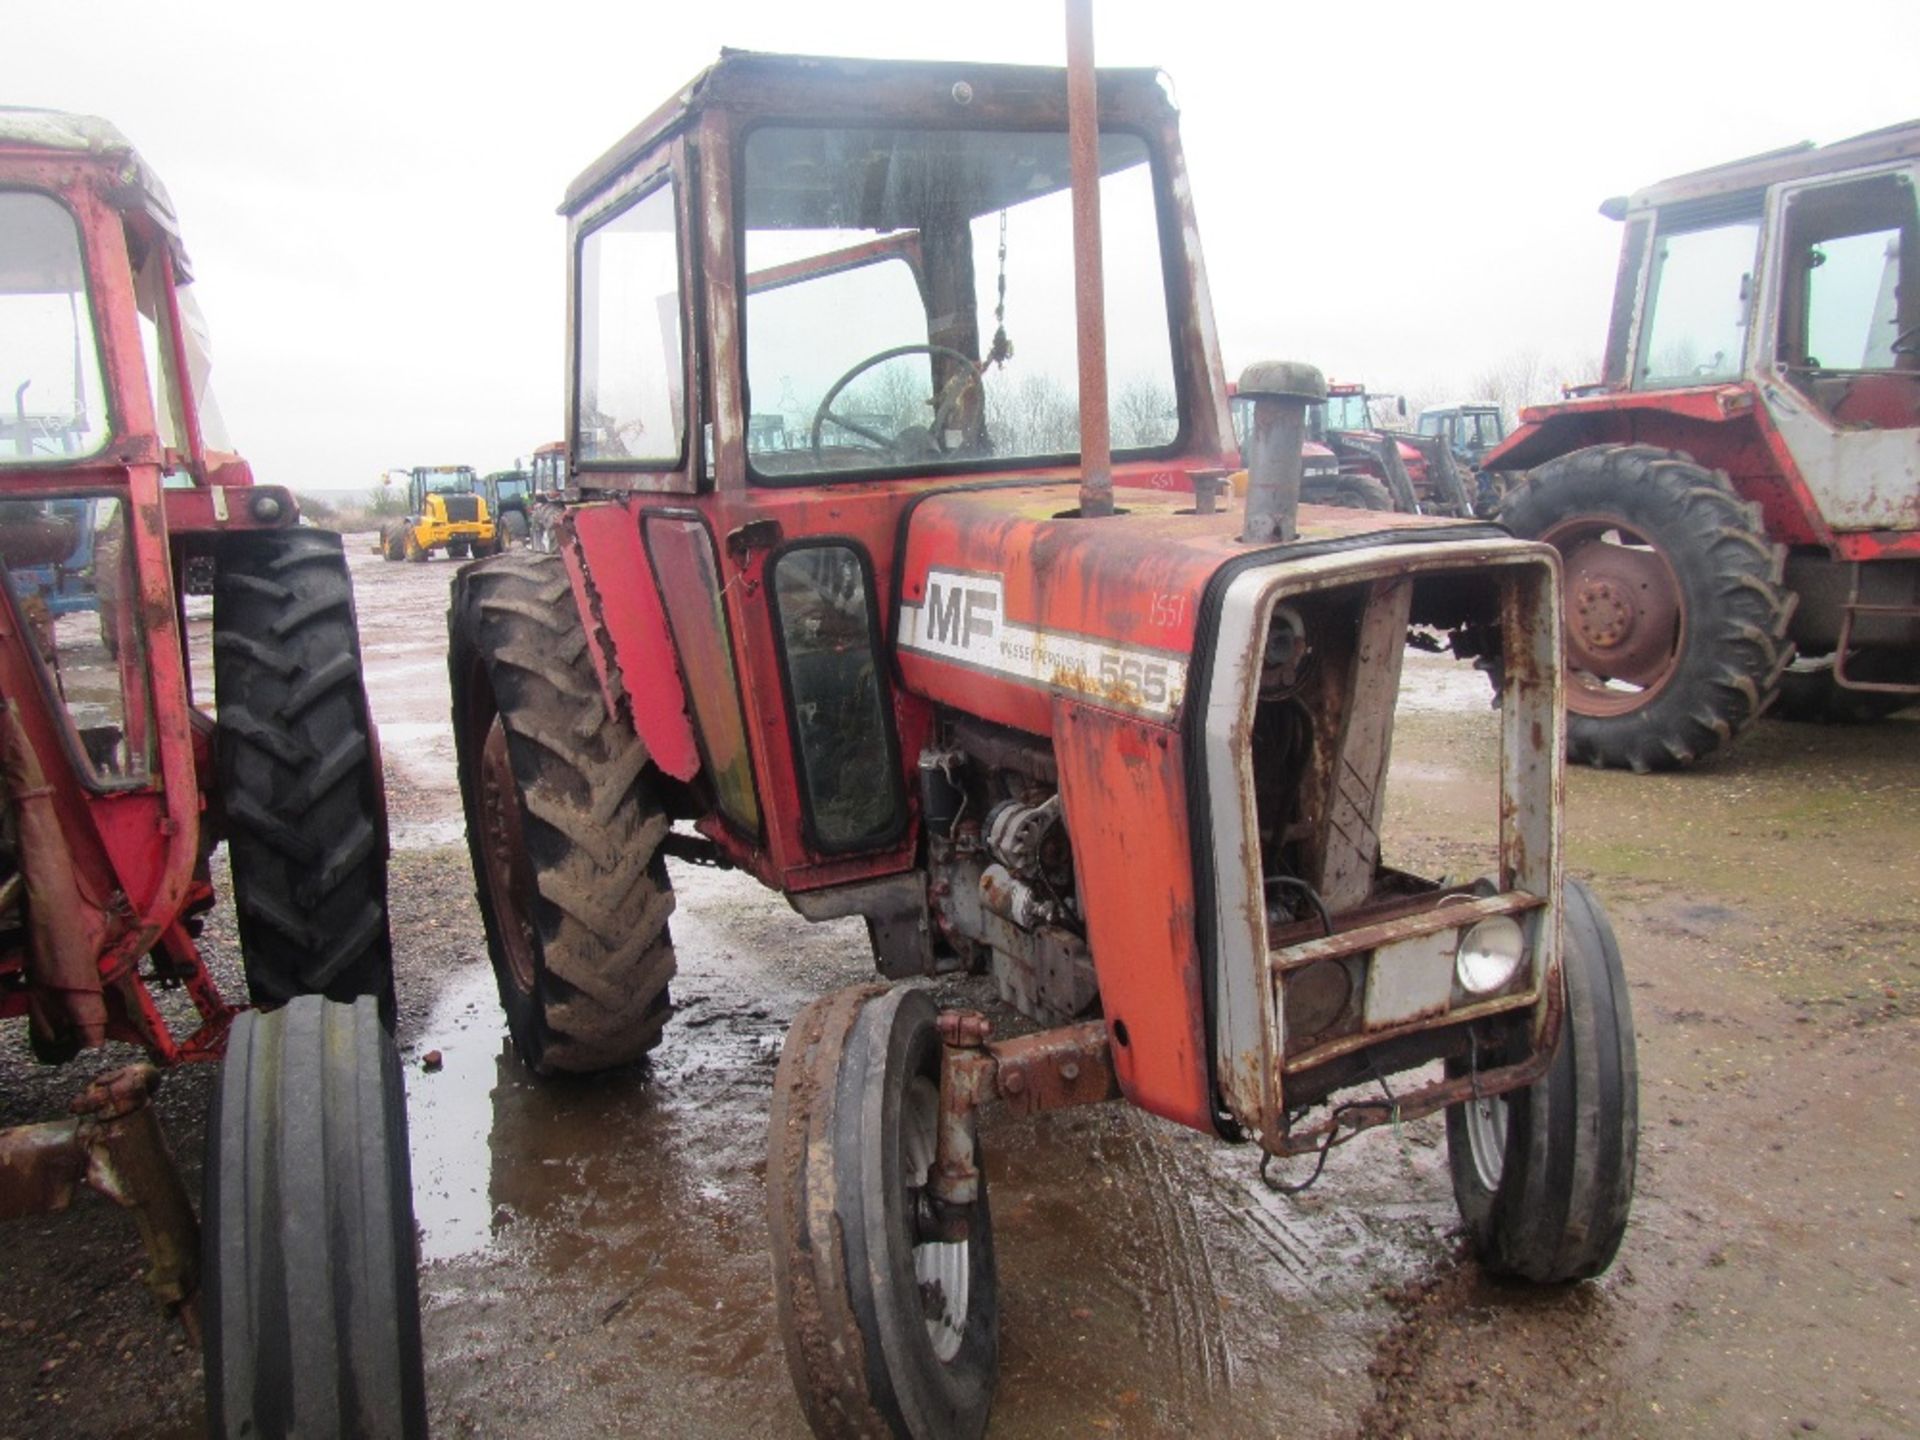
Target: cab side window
point(828, 641)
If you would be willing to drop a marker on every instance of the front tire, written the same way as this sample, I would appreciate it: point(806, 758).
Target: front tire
point(297, 773)
point(563, 823)
point(886, 1333)
point(1675, 614)
point(1544, 1176)
point(311, 1300)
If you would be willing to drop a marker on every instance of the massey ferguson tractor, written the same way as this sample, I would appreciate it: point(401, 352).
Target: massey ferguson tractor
point(949, 658)
point(1737, 504)
point(115, 789)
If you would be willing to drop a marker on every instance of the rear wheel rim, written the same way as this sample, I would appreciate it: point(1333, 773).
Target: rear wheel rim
point(503, 850)
point(1626, 614)
point(1487, 1139)
point(941, 1269)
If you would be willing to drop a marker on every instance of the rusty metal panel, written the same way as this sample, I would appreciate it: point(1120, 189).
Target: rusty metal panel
point(1410, 980)
point(1124, 787)
point(1250, 1060)
point(630, 636)
point(1359, 790)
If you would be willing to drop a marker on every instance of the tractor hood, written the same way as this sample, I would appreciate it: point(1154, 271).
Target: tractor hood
point(1007, 601)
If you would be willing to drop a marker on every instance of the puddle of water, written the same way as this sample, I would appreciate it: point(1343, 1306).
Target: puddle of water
point(1148, 1282)
point(450, 1112)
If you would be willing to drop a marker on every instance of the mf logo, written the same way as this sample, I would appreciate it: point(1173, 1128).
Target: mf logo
point(959, 609)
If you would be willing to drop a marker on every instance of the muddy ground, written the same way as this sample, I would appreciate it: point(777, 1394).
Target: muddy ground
point(593, 1252)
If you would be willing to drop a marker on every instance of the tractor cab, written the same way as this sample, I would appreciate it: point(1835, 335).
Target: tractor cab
point(427, 480)
point(1469, 430)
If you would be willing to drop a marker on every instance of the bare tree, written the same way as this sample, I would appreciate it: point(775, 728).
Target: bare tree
point(1145, 414)
point(1034, 415)
point(1526, 377)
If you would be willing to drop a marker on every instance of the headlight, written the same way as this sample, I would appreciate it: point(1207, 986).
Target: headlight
point(1489, 954)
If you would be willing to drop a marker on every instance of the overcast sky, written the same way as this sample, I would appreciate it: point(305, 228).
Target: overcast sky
point(1401, 193)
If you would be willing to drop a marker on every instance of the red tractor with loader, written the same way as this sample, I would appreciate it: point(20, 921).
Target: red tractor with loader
point(116, 788)
point(947, 644)
point(1737, 503)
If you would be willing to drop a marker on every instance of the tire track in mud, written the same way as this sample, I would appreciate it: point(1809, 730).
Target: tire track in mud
point(1203, 1359)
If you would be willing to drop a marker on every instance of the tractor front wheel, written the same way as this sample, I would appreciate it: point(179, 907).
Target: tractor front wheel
point(891, 1327)
point(563, 823)
point(311, 1299)
point(1676, 619)
point(1544, 1176)
point(298, 778)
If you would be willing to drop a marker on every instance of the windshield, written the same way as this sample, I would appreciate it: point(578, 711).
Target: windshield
point(910, 300)
point(52, 399)
point(512, 485)
point(1348, 412)
point(1481, 429)
point(1696, 331)
point(446, 482)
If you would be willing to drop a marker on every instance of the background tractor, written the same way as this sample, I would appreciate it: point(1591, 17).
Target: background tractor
point(549, 469)
point(445, 511)
point(1737, 504)
point(848, 601)
point(1415, 470)
point(507, 496)
point(115, 789)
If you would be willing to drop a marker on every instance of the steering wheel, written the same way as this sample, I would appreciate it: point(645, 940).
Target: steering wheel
point(946, 405)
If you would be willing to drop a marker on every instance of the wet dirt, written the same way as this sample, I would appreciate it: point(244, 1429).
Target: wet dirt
point(594, 1257)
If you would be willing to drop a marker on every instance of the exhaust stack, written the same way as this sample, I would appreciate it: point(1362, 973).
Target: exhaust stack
point(1281, 390)
point(1083, 145)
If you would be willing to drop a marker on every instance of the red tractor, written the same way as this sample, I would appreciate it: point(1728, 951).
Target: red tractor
point(1744, 485)
point(866, 591)
point(115, 789)
point(1414, 470)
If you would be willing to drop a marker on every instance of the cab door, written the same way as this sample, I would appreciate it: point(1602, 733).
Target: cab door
point(1844, 381)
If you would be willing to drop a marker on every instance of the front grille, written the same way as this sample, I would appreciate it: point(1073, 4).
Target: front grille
point(462, 508)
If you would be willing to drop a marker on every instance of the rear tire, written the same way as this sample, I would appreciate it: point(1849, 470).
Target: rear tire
point(393, 541)
point(850, 1144)
point(512, 529)
point(1544, 1176)
point(1675, 613)
point(311, 1296)
point(563, 823)
point(297, 773)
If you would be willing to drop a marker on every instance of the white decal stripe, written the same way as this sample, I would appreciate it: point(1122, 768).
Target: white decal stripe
point(963, 620)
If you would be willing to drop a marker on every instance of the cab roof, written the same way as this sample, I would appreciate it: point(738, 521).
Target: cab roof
point(32, 131)
point(866, 91)
point(1772, 167)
